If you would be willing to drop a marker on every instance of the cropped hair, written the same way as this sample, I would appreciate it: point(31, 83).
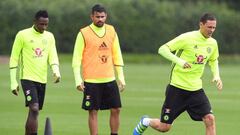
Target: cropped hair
point(207, 16)
point(98, 8)
point(41, 13)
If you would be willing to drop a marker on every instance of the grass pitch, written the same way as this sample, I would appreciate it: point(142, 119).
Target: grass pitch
point(144, 94)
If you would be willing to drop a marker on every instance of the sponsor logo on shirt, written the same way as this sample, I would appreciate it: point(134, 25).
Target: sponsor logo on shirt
point(103, 57)
point(199, 59)
point(38, 52)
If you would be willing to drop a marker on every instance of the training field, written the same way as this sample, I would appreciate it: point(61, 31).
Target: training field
point(144, 94)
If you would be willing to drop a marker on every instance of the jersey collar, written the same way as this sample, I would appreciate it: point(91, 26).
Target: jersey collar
point(36, 32)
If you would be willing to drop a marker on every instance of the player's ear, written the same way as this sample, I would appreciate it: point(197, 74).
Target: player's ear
point(201, 25)
point(91, 16)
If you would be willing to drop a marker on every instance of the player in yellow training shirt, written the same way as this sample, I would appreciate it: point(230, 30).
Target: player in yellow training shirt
point(185, 93)
point(96, 57)
point(33, 50)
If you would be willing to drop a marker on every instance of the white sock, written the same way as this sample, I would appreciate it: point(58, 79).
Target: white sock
point(146, 121)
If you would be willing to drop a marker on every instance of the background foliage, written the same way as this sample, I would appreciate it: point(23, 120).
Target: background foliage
point(142, 25)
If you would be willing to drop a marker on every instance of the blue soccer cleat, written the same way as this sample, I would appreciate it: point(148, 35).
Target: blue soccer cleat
point(140, 128)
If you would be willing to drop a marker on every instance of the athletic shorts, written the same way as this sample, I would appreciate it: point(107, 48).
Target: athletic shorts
point(101, 96)
point(34, 92)
point(178, 100)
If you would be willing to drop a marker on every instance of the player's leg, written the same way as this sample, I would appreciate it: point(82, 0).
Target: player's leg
point(154, 123)
point(34, 97)
point(91, 102)
point(114, 120)
point(32, 119)
point(200, 110)
point(111, 100)
point(209, 121)
point(93, 122)
point(173, 106)
point(159, 126)
point(142, 125)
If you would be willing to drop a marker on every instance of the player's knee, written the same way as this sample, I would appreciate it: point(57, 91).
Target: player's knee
point(209, 119)
point(34, 108)
point(162, 127)
point(93, 113)
point(115, 110)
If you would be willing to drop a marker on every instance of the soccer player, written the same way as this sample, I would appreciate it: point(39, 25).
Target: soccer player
point(185, 93)
point(33, 49)
point(96, 57)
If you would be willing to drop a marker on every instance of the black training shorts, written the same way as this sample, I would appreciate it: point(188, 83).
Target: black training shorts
point(178, 100)
point(101, 96)
point(34, 92)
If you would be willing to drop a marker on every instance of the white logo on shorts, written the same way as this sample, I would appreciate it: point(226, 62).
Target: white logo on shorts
point(27, 92)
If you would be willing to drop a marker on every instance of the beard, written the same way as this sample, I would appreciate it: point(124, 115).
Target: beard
point(99, 24)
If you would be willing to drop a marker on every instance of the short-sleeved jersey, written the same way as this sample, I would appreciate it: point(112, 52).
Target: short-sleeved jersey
point(32, 52)
point(197, 50)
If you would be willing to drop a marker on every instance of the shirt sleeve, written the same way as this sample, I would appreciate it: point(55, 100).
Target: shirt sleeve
point(213, 63)
point(16, 50)
point(117, 59)
point(176, 43)
point(53, 57)
point(14, 60)
point(214, 68)
point(117, 54)
point(77, 58)
point(165, 52)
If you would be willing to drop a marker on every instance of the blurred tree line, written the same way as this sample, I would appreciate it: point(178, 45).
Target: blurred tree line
point(142, 25)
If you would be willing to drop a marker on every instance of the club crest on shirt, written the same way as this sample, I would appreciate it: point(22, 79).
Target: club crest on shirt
point(103, 58)
point(209, 50)
point(44, 41)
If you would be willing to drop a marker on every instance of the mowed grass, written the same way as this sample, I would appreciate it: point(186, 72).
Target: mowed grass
point(144, 94)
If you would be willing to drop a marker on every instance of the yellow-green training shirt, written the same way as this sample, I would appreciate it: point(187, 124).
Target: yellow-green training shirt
point(31, 53)
point(194, 48)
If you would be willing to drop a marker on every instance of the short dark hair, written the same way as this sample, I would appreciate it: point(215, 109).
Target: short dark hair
point(41, 13)
point(98, 8)
point(207, 16)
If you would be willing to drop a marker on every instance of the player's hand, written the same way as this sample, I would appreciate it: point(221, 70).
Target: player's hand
point(186, 65)
point(81, 87)
point(56, 78)
point(218, 82)
point(121, 85)
point(15, 91)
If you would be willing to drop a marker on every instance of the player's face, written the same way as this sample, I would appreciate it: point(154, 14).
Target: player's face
point(208, 28)
point(41, 24)
point(99, 18)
